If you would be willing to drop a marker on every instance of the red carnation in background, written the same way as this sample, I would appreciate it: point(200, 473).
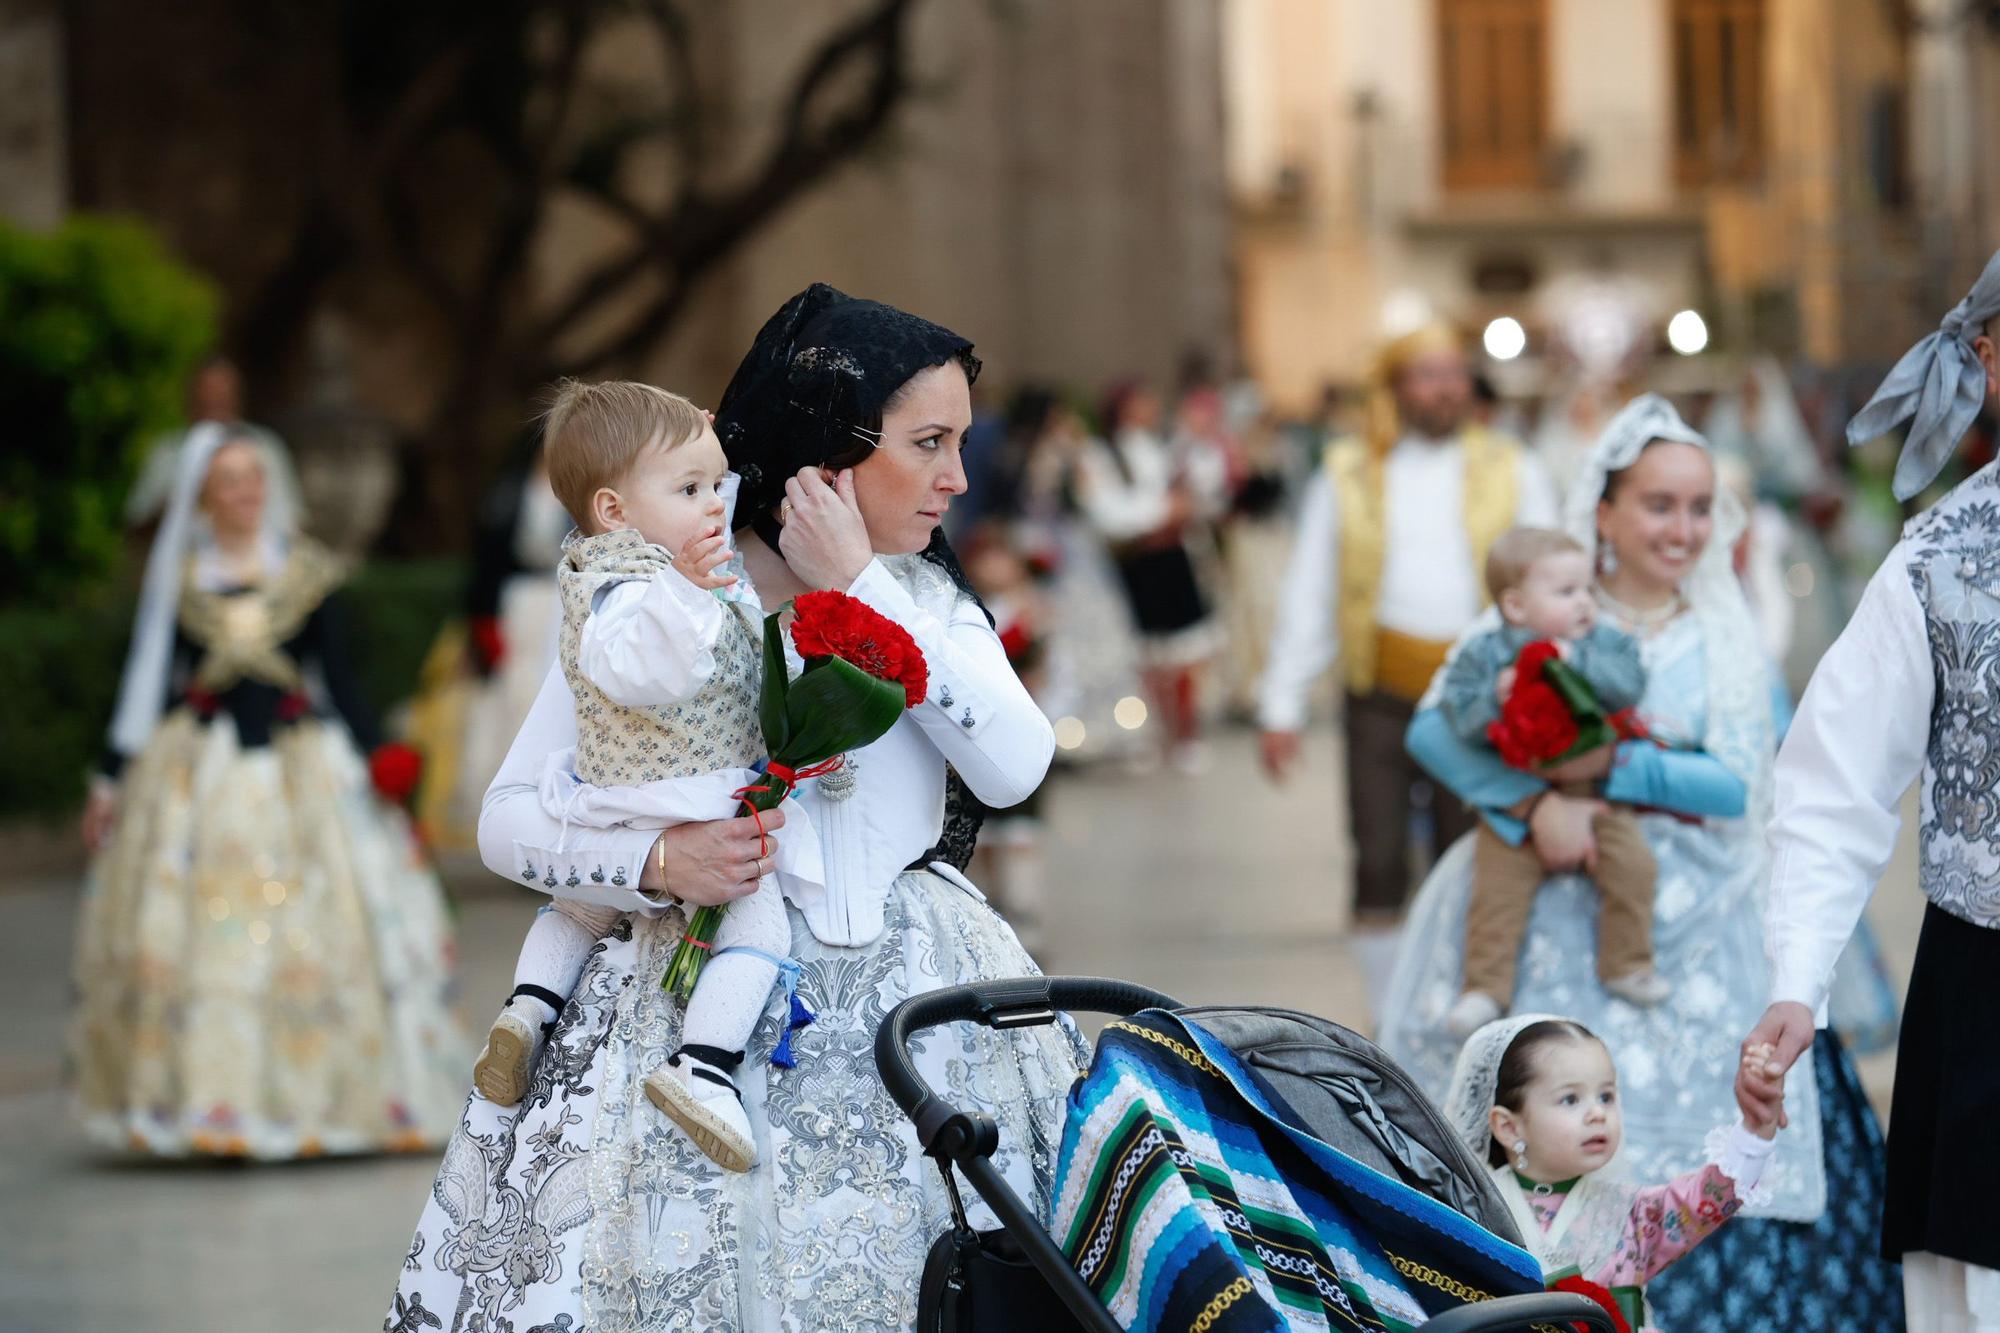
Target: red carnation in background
point(489, 644)
point(832, 624)
point(394, 768)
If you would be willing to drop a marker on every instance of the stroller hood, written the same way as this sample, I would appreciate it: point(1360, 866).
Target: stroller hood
point(1346, 1092)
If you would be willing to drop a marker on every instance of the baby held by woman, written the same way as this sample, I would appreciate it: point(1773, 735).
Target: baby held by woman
point(1541, 582)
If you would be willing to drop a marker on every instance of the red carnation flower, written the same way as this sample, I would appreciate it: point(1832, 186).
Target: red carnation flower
point(832, 624)
point(1015, 640)
point(1602, 1295)
point(489, 644)
point(1533, 656)
point(394, 769)
point(1535, 725)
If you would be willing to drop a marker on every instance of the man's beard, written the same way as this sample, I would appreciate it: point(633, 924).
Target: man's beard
point(1434, 425)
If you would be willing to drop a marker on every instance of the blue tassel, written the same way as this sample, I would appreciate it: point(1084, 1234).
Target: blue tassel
point(797, 1017)
point(782, 1057)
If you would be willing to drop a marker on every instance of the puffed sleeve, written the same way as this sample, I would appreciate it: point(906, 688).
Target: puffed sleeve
point(977, 713)
point(519, 840)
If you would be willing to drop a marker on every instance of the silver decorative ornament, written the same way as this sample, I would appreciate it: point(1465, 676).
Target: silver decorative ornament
point(839, 784)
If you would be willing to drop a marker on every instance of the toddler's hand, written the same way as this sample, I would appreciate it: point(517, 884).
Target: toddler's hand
point(1503, 684)
point(1756, 1057)
point(702, 556)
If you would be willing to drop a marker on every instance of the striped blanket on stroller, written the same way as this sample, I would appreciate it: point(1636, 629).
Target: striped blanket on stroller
point(1187, 1201)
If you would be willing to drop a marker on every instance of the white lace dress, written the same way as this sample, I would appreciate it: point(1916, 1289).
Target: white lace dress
point(1676, 1061)
point(583, 1208)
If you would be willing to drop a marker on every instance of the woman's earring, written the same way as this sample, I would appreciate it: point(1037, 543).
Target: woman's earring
point(1607, 556)
point(1521, 1155)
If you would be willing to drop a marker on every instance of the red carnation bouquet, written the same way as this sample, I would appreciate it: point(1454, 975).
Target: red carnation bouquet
point(862, 670)
point(1552, 714)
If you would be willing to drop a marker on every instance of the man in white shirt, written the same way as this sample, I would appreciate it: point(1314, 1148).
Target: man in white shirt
point(1385, 573)
point(1911, 690)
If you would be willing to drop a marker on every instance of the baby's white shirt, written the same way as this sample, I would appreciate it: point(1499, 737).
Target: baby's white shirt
point(651, 642)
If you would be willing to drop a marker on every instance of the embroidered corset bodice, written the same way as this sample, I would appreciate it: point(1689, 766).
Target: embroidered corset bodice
point(713, 729)
point(1954, 565)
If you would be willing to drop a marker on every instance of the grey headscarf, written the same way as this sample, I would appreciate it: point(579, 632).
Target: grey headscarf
point(1937, 387)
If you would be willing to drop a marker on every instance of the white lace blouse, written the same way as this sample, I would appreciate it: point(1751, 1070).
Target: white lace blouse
point(978, 716)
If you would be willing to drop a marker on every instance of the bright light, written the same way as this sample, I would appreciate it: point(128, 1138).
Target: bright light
point(1687, 333)
point(1404, 311)
point(1130, 712)
point(1069, 732)
point(1505, 338)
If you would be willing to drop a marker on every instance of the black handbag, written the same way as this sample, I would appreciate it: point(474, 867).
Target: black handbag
point(982, 1282)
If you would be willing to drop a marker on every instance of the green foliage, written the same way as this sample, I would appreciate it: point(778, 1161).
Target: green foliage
point(99, 328)
point(59, 677)
point(394, 612)
point(59, 672)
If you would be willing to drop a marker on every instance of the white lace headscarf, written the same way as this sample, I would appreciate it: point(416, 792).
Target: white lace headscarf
point(183, 533)
point(1475, 1078)
point(1738, 731)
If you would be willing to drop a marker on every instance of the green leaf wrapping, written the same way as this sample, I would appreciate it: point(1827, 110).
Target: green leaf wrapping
point(1576, 693)
point(837, 708)
point(833, 707)
point(771, 700)
point(1593, 728)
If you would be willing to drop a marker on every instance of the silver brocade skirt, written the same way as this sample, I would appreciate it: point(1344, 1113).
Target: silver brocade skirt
point(585, 1202)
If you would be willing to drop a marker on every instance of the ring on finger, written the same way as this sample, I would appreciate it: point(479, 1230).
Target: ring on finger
point(784, 512)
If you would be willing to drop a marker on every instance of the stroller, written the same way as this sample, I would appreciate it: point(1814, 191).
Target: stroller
point(1340, 1086)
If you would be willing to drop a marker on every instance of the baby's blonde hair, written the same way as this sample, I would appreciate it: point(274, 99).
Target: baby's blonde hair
point(593, 433)
point(1517, 549)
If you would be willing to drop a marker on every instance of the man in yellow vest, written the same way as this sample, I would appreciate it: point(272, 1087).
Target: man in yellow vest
point(1385, 572)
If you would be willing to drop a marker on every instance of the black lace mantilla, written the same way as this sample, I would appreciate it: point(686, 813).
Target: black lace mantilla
point(811, 389)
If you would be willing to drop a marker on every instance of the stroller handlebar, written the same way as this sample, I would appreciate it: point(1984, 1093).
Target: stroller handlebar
point(1558, 1309)
point(968, 1141)
point(1009, 1003)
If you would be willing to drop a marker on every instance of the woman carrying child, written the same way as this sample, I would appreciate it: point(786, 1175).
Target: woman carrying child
point(584, 1207)
point(1647, 509)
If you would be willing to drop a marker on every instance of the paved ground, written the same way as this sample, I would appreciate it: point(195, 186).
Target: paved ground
point(1213, 888)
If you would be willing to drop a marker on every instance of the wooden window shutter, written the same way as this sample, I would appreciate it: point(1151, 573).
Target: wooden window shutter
point(1718, 90)
point(1493, 92)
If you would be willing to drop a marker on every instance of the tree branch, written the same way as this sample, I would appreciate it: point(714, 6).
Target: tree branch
point(694, 237)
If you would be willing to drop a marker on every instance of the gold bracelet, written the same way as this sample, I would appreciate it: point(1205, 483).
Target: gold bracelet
point(660, 864)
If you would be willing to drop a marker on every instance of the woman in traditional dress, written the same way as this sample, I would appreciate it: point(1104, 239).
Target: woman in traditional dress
point(583, 1207)
point(1094, 650)
point(263, 960)
point(1647, 504)
point(1142, 505)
